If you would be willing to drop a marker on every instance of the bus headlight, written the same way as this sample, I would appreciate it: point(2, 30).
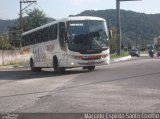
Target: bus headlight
point(75, 57)
point(104, 56)
point(72, 63)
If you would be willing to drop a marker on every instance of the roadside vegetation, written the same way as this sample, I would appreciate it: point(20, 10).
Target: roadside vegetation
point(34, 18)
point(114, 56)
point(5, 44)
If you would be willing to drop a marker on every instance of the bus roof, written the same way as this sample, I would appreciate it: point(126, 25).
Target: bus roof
point(82, 18)
point(74, 18)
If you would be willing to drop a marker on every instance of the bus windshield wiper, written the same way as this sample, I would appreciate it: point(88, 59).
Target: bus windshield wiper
point(98, 44)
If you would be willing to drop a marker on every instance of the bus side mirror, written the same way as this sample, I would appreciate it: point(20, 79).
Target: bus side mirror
point(65, 33)
point(110, 34)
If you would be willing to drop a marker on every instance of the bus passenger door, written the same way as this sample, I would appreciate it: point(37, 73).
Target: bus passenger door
point(63, 43)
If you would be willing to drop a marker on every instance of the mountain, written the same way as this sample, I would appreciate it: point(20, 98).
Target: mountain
point(136, 27)
point(4, 24)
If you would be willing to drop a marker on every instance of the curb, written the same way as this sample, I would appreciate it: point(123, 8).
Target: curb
point(144, 54)
point(111, 61)
point(121, 59)
point(10, 67)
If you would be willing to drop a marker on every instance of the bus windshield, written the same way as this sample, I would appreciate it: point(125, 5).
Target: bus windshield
point(87, 36)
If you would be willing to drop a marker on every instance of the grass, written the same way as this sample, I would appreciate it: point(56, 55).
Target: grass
point(12, 64)
point(114, 56)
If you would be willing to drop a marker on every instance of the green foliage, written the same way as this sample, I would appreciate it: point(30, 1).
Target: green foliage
point(157, 47)
point(114, 56)
point(34, 18)
point(5, 44)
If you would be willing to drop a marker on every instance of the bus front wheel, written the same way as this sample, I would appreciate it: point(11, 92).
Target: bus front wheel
point(34, 69)
point(90, 68)
point(58, 69)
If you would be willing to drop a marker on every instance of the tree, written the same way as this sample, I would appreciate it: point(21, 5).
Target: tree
point(5, 44)
point(34, 18)
point(157, 47)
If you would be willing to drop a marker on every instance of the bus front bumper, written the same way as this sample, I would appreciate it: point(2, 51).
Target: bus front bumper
point(81, 63)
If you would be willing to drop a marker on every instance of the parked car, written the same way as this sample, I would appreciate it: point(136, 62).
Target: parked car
point(134, 52)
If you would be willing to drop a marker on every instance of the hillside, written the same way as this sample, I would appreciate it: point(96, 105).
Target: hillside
point(4, 24)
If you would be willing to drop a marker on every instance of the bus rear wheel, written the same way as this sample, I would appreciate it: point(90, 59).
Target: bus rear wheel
point(34, 69)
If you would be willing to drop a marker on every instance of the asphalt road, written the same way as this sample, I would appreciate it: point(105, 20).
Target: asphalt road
point(130, 86)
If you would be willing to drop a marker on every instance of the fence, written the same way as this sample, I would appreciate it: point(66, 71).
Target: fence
point(9, 57)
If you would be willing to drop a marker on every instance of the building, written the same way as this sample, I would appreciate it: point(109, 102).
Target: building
point(13, 36)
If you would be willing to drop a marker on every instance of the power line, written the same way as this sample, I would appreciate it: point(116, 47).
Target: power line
point(43, 10)
point(29, 3)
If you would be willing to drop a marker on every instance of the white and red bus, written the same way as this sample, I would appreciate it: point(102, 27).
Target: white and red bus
point(80, 41)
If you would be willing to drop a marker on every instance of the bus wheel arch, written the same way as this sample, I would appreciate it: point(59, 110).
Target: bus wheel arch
point(33, 68)
point(90, 68)
point(32, 65)
point(56, 67)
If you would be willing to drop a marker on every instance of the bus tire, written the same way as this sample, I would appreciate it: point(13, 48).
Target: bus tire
point(38, 69)
point(57, 69)
point(34, 69)
point(91, 68)
point(32, 65)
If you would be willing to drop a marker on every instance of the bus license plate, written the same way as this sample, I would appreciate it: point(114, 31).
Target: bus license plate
point(90, 63)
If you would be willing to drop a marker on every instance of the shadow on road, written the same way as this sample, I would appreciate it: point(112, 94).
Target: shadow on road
point(23, 74)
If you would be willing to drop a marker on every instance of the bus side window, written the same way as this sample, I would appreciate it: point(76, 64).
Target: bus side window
point(27, 39)
point(46, 34)
point(62, 37)
point(36, 37)
point(39, 36)
point(32, 41)
point(53, 32)
point(41, 33)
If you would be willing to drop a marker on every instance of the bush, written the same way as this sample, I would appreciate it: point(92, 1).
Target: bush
point(5, 44)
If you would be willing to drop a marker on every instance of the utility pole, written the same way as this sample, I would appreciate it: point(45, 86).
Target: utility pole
point(29, 3)
point(136, 39)
point(119, 25)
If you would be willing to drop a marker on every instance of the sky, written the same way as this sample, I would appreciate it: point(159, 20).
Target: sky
point(9, 9)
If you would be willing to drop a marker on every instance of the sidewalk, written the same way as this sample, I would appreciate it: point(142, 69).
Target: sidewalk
point(111, 61)
point(120, 59)
point(10, 66)
point(144, 54)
